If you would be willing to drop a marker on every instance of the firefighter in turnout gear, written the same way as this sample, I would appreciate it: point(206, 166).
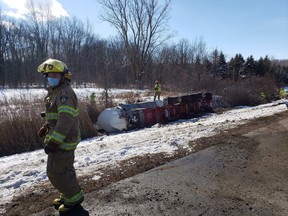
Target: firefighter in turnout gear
point(157, 90)
point(62, 134)
point(282, 93)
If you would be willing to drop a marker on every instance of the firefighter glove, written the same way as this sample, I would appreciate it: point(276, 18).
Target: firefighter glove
point(51, 147)
point(43, 131)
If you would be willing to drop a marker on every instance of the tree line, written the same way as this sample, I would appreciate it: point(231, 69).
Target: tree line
point(126, 60)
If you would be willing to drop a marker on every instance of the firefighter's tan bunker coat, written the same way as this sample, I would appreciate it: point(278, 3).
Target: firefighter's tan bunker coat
point(63, 129)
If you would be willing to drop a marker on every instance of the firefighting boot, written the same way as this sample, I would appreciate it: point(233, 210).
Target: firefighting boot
point(58, 202)
point(67, 207)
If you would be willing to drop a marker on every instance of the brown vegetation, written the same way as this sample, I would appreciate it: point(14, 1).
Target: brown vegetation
point(21, 120)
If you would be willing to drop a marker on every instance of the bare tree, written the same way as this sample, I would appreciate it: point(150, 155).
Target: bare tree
point(3, 44)
point(39, 18)
point(200, 47)
point(142, 25)
point(185, 59)
point(167, 69)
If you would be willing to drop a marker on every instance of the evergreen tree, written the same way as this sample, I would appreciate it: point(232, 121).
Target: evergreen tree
point(236, 66)
point(268, 65)
point(214, 69)
point(249, 67)
point(231, 69)
point(207, 64)
point(222, 66)
point(260, 68)
point(281, 74)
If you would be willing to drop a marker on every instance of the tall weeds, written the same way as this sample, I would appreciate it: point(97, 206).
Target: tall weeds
point(20, 121)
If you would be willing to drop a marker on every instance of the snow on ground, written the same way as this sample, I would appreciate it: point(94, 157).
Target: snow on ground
point(35, 94)
point(23, 171)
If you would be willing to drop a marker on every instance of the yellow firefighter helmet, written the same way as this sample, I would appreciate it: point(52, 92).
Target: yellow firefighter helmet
point(54, 66)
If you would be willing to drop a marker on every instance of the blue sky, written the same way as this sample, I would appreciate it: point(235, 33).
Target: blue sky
point(249, 27)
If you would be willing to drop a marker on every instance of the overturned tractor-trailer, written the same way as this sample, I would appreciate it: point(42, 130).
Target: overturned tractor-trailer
point(139, 115)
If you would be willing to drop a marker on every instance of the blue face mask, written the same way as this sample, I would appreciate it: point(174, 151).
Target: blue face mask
point(53, 81)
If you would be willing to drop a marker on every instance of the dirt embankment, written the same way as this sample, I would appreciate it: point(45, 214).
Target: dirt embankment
point(242, 171)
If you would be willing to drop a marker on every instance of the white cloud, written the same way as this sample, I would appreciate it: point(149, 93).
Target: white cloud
point(16, 9)
point(19, 8)
point(58, 9)
point(14, 14)
point(15, 4)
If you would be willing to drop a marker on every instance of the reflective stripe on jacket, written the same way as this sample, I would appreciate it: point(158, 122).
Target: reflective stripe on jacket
point(62, 117)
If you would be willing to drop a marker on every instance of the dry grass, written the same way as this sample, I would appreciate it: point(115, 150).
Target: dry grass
point(20, 121)
point(251, 93)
